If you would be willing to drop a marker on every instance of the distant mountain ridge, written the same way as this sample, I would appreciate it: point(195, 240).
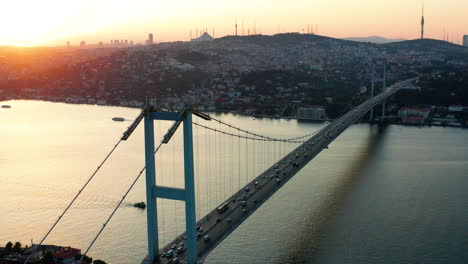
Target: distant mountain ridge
point(374, 39)
point(286, 39)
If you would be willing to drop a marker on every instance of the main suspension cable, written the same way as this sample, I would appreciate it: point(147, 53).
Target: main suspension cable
point(72, 201)
point(245, 137)
point(120, 202)
point(262, 136)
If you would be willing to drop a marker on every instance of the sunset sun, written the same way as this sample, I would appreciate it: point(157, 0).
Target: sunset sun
point(27, 23)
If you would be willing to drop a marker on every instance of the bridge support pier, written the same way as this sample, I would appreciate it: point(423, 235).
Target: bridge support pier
point(190, 217)
point(384, 87)
point(151, 206)
point(371, 115)
point(382, 80)
point(154, 191)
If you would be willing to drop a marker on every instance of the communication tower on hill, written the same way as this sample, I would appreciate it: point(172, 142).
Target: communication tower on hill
point(422, 21)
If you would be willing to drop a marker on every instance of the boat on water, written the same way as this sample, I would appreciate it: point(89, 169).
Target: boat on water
point(140, 205)
point(454, 124)
point(119, 119)
point(6, 106)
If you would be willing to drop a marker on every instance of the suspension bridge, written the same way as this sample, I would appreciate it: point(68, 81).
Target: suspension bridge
point(213, 211)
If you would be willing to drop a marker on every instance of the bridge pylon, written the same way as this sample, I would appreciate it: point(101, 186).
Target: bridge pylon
point(154, 191)
point(382, 62)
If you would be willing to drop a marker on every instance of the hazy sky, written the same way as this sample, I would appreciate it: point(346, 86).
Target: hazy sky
point(52, 22)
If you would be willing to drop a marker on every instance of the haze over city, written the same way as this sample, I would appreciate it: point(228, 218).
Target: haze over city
point(53, 22)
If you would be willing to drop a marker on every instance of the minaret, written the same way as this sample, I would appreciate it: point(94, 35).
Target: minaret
point(422, 21)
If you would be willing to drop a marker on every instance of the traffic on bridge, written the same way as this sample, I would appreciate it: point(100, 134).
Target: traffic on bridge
point(224, 219)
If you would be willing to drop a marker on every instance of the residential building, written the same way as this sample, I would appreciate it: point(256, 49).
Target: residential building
point(414, 116)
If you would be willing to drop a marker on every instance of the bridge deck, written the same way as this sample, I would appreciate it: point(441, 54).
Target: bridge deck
point(219, 225)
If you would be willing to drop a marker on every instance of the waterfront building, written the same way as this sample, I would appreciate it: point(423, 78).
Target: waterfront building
point(456, 108)
point(311, 113)
point(66, 255)
point(414, 116)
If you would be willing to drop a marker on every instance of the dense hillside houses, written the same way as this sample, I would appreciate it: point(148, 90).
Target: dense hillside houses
point(265, 73)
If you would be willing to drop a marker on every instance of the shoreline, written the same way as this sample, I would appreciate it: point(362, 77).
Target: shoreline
point(389, 121)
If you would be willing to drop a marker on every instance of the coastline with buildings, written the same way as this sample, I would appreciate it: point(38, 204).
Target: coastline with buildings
point(46, 254)
point(413, 115)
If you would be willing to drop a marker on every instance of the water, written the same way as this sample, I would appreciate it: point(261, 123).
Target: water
point(394, 197)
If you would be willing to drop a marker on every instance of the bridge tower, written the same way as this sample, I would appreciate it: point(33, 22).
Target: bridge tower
point(382, 63)
point(154, 191)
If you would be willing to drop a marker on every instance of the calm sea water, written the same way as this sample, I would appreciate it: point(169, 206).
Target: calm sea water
point(398, 196)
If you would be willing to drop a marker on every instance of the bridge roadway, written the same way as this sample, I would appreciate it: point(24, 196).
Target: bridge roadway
point(217, 226)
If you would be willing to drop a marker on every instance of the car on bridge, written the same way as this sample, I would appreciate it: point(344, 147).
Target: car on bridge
point(221, 209)
point(169, 253)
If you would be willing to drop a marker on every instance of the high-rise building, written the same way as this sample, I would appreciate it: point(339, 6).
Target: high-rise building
point(236, 26)
point(150, 39)
point(465, 40)
point(422, 21)
point(68, 44)
point(83, 43)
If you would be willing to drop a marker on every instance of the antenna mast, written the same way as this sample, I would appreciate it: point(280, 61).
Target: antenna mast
point(422, 21)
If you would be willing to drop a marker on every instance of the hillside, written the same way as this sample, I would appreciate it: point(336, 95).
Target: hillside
point(286, 39)
point(432, 45)
point(374, 39)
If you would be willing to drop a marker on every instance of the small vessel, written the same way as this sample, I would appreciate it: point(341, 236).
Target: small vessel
point(454, 124)
point(6, 106)
point(119, 119)
point(140, 205)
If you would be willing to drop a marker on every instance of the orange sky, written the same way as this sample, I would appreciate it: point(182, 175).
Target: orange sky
point(52, 22)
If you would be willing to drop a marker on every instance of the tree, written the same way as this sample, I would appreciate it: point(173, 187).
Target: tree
point(48, 258)
point(8, 246)
point(86, 259)
point(17, 247)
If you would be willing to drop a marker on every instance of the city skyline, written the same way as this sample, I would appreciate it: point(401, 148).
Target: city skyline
point(52, 22)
